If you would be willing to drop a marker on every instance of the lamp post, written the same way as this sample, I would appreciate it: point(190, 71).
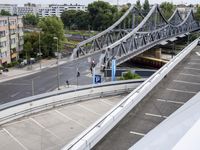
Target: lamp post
point(58, 77)
point(40, 51)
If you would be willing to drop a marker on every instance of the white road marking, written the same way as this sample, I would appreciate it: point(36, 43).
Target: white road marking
point(198, 53)
point(13, 95)
point(181, 81)
point(191, 68)
point(154, 115)
point(105, 102)
point(68, 118)
point(187, 74)
point(193, 63)
point(170, 101)
point(89, 110)
point(137, 133)
point(182, 91)
point(15, 139)
point(40, 125)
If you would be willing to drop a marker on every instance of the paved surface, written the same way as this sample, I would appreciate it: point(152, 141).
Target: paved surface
point(177, 88)
point(45, 80)
point(51, 130)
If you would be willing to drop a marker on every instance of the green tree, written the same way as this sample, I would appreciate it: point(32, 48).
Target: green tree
point(68, 18)
point(197, 14)
point(102, 14)
point(30, 19)
point(167, 9)
point(138, 5)
point(4, 13)
point(146, 7)
point(82, 20)
point(51, 27)
point(27, 50)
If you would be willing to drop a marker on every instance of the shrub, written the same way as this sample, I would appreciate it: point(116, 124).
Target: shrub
point(130, 75)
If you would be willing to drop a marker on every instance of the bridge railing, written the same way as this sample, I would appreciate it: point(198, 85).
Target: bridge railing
point(23, 107)
point(91, 136)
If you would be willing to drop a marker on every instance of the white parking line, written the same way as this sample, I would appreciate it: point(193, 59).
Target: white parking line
point(181, 81)
point(137, 133)
point(155, 115)
point(193, 63)
point(68, 118)
point(105, 102)
point(187, 74)
point(182, 91)
point(170, 101)
point(198, 53)
point(15, 139)
point(89, 110)
point(13, 95)
point(40, 125)
point(191, 68)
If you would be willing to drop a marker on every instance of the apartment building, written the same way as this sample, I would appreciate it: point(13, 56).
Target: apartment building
point(56, 10)
point(8, 7)
point(11, 38)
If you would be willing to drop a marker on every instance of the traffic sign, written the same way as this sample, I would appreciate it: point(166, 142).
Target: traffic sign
point(97, 79)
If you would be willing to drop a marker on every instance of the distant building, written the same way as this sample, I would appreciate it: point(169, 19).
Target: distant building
point(56, 10)
point(8, 7)
point(11, 38)
point(23, 11)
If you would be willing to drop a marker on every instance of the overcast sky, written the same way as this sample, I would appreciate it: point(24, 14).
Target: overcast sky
point(85, 2)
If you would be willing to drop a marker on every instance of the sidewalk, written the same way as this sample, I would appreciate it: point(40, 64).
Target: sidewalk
point(14, 73)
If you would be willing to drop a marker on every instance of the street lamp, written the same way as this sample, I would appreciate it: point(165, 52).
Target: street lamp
point(58, 77)
point(40, 51)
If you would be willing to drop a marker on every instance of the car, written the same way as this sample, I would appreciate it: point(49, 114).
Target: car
point(5, 70)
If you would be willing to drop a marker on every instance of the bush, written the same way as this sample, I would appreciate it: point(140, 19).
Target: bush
point(130, 75)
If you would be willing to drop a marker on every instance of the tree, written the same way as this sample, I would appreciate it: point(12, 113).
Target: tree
point(30, 19)
point(167, 9)
point(4, 13)
point(68, 18)
point(82, 20)
point(197, 14)
point(138, 5)
point(146, 7)
point(51, 27)
point(102, 14)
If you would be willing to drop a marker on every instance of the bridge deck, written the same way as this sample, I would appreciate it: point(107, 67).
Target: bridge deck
point(51, 130)
point(173, 91)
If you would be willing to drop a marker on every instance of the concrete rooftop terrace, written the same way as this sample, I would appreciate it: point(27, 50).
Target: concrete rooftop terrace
point(52, 129)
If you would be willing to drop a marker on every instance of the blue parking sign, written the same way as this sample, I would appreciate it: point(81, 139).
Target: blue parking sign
point(97, 78)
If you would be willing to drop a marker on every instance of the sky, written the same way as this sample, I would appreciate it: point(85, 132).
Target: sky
point(85, 2)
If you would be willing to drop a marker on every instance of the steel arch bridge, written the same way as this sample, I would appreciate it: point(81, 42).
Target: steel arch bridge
point(133, 34)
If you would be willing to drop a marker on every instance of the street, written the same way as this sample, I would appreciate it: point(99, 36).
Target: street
point(46, 80)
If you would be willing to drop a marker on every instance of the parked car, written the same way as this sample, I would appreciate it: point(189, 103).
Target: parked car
point(198, 42)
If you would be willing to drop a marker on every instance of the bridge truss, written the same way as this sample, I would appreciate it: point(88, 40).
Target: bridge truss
point(133, 34)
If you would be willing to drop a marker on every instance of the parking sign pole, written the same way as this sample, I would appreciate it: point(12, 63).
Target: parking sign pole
point(93, 75)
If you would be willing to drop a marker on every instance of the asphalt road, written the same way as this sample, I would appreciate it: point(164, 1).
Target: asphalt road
point(171, 93)
point(46, 80)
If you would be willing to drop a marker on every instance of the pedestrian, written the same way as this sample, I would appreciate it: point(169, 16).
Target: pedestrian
point(67, 83)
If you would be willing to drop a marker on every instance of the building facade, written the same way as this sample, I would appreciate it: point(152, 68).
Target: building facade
point(56, 10)
point(8, 7)
point(11, 38)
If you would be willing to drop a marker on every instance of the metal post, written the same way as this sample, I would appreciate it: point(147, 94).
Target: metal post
point(32, 83)
point(133, 19)
point(40, 53)
point(58, 76)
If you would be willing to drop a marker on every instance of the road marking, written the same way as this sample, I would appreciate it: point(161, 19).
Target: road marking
point(40, 125)
point(198, 53)
point(137, 133)
point(191, 68)
point(13, 95)
point(90, 110)
point(193, 63)
point(105, 102)
point(170, 101)
point(154, 115)
point(68, 118)
point(181, 81)
point(187, 74)
point(182, 91)
point(15, 139)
